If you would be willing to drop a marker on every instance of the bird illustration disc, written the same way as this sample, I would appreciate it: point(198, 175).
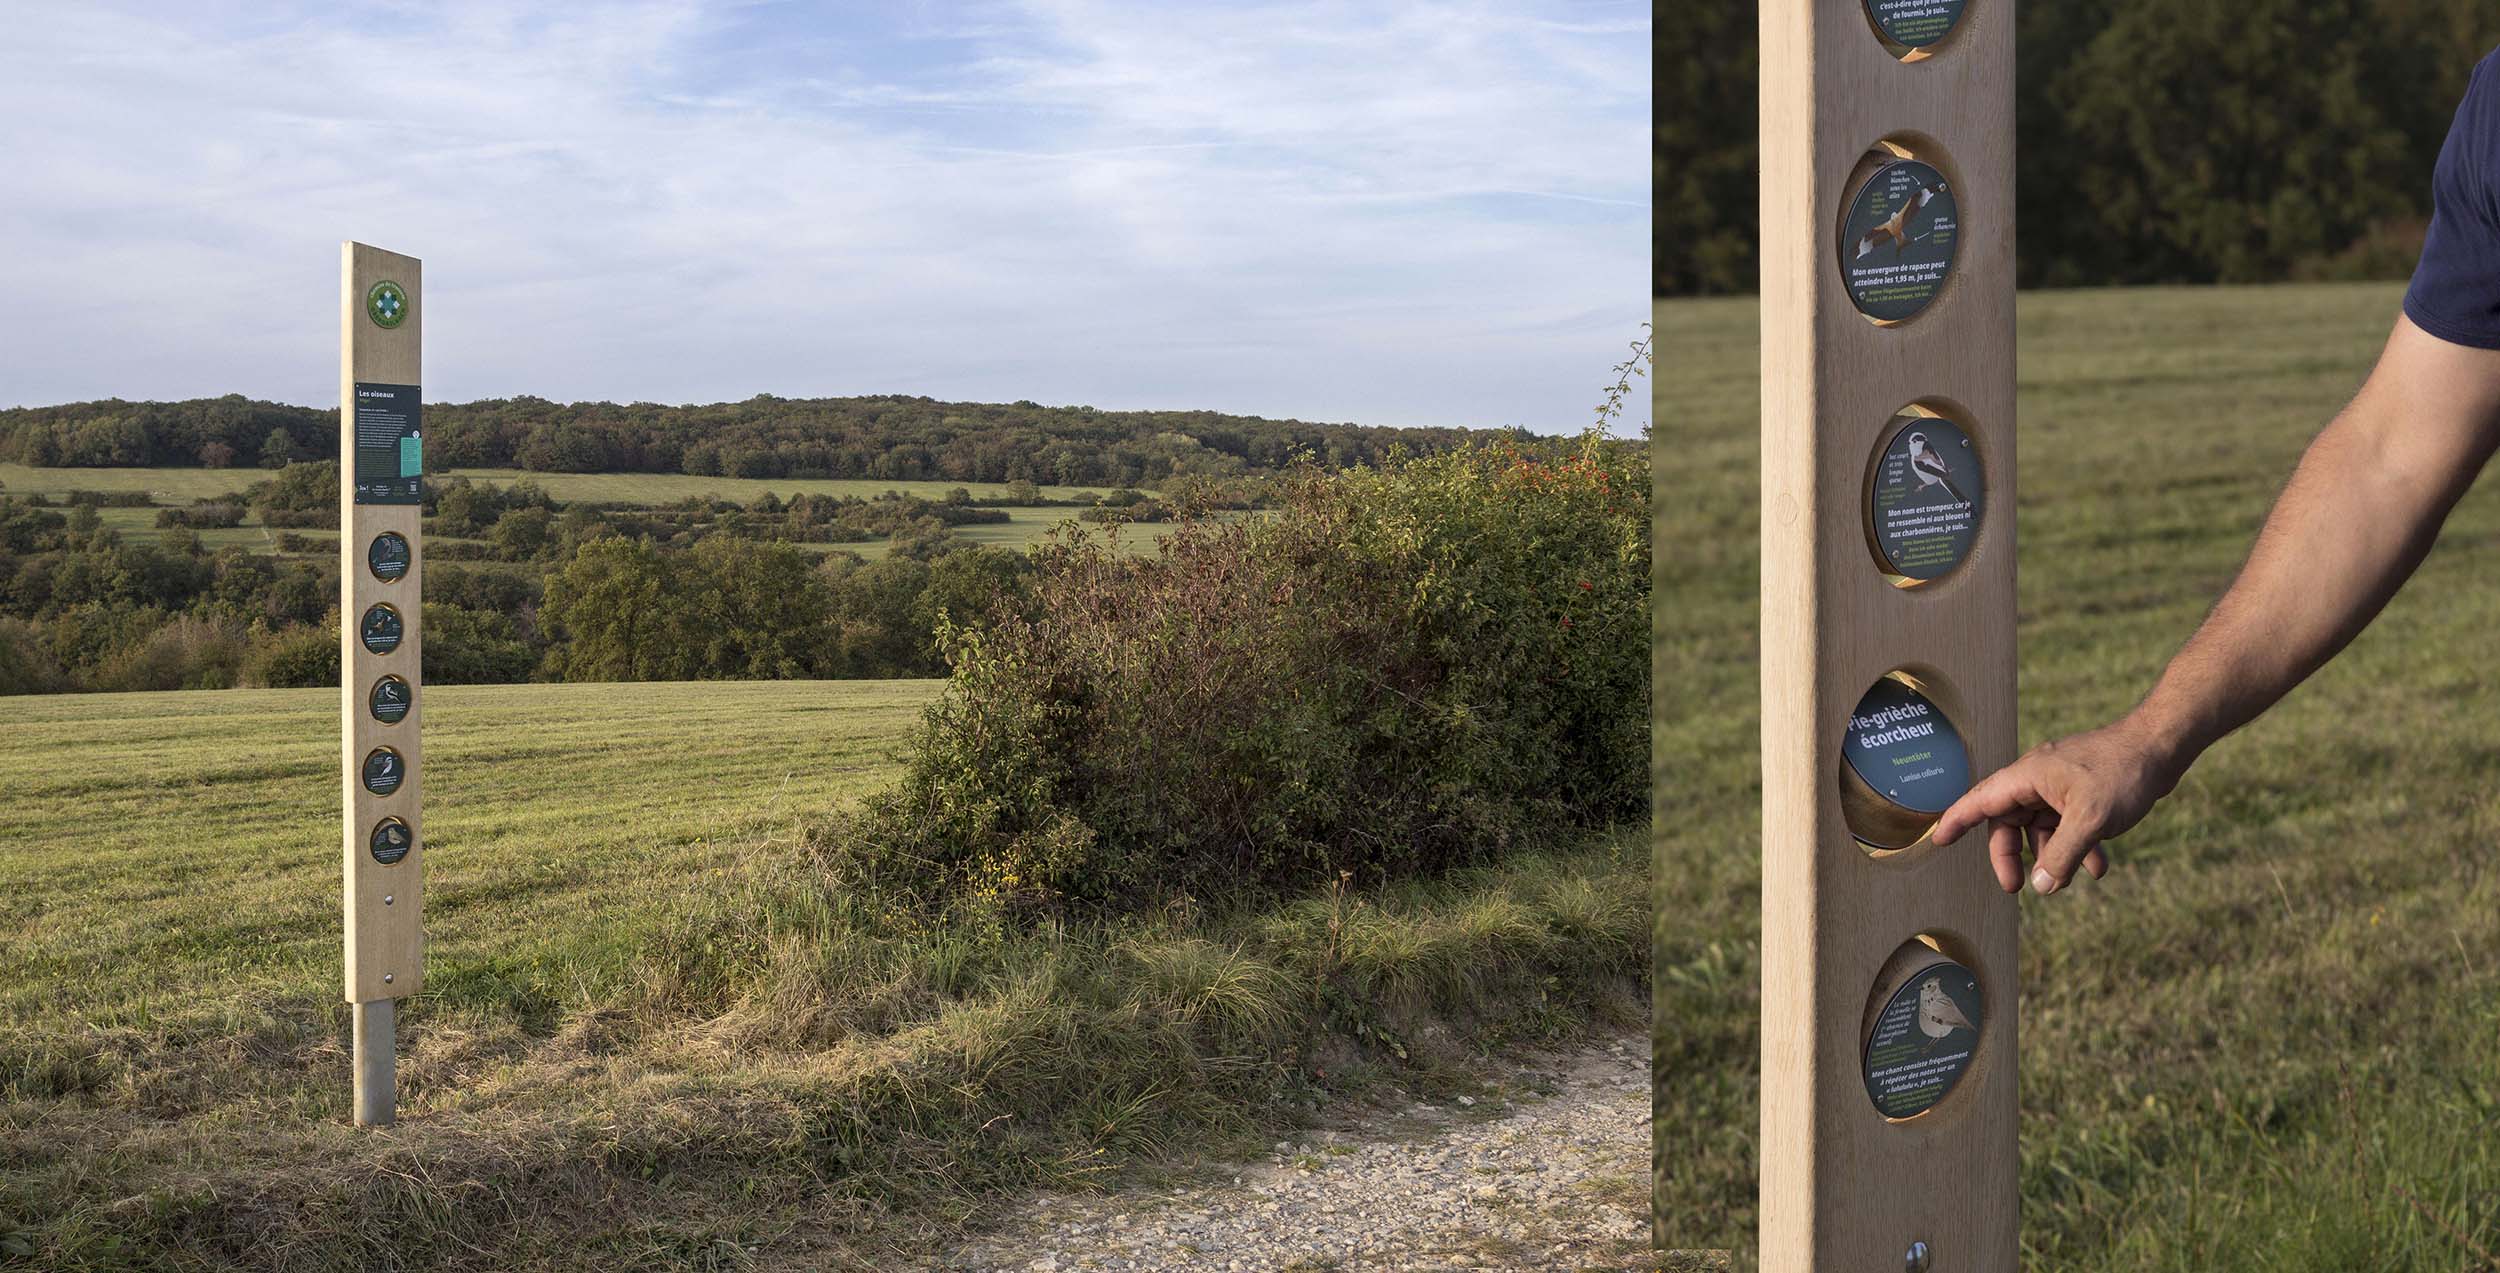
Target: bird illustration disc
point(1898, 240)
point(1915, 24)
point(1925, 498)
point(1923, 1040)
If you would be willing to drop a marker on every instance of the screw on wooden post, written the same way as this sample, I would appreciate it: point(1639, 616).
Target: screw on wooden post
point(381, 576)
point(1888, 965)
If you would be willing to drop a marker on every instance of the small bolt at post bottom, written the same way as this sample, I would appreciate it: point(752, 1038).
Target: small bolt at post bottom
point(1916, 1260)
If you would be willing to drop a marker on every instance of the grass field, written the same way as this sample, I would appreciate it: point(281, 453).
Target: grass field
point(668, 488)
point(1026, 526)
point(2271, 1038)
point(190, 485)
point(656, 1032)
point(189, 840)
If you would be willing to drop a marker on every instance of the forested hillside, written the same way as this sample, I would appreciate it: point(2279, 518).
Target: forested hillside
point(2160, 142)
point(888, 438)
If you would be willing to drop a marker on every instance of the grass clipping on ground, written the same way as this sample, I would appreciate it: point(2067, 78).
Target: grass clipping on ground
point(1085, 931)
point(796, 1067)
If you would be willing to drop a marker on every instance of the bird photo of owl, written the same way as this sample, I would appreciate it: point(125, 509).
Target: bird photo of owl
point(1930, 469)
point(1938, 1015)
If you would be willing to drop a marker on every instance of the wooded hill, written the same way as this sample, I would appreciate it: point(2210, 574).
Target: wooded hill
point(890, 438)
point(2158, 142)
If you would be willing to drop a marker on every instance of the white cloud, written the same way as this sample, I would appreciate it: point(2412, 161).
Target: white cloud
point(1428, 213)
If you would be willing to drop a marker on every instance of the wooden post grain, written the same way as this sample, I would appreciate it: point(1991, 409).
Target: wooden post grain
point(384, 905)
point(1842, 1187)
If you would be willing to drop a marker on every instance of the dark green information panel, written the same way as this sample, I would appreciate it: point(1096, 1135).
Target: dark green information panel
point(1923, 1040)
point(384, 771)
point(390, 448)
point(387, 556)
point(391, 700)
point(391, 841)
point(1925, 498)
point(381, 629)
point(1901, 745)
point(1915, 23)
point(1898, 239)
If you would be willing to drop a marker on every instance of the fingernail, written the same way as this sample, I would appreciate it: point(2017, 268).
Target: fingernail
point(2042, 882)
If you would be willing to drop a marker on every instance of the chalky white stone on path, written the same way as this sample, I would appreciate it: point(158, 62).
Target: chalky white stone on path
point(1516, 1181)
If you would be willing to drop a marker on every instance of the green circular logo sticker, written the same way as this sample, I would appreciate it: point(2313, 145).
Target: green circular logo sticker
point(1915, 24)
point(387, 304)
point(390, 841)
point(1925, 498)
point(1898, 240)
point(1923, 1041)
point(391, 700)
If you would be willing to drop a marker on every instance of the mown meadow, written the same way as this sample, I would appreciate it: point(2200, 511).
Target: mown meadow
point(181, 488)
point(809, 974)
point(2266, 1041)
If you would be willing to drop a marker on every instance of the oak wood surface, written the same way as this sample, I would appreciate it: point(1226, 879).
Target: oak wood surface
point(1841, 1187)
point(382, 938)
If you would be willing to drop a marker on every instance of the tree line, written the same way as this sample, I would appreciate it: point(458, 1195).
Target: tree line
point(518, 587)
point(2158, 142)
point(883, 438)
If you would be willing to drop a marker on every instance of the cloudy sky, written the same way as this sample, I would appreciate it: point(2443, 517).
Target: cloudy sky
point(1393, 212)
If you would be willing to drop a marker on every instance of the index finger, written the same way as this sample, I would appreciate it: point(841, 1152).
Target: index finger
point(2001, 794)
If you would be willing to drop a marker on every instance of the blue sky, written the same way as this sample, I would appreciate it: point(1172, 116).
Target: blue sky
point(1394, 213)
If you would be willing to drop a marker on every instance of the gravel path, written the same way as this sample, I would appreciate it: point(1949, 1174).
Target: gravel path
point(1546, 1169)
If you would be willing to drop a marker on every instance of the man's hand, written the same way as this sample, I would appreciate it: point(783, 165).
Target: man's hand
point(2064, 798)
point(2356, 519)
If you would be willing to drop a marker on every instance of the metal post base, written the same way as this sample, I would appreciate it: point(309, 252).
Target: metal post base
point(377, 1093)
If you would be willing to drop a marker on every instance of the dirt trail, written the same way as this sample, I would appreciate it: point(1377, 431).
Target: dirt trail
point(1550, 1170)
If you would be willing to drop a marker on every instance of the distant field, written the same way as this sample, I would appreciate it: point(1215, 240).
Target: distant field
point(2271, 1028)
point(178, 485)
point(1027, 524)
point(149, 841)
point(168, 486)
point(668, 488)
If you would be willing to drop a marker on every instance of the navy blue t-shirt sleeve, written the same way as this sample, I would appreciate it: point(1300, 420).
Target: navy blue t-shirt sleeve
point(2455, 293)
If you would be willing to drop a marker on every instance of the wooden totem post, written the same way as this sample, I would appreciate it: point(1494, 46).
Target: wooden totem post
point(1888, 965)
point(381, 571)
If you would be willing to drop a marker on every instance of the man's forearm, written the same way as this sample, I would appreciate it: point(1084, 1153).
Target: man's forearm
point(2360, 513)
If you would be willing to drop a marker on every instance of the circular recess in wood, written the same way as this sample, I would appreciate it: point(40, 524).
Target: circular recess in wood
point(1911, 29)
point(1902, 763)
point(1921, 1029)
point(1899, 233)
point(1925, 496)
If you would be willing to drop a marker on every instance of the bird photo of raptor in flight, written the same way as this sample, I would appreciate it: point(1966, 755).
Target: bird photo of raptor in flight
point(1898, 236)
point(1896, 229)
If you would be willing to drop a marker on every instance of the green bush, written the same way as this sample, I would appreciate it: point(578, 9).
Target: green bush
point(300, 495)
point(214, 515)
point(1404, 670)
point(475, 647)
point(630, 610)
point(26, 667)
point(302, 657)
point(186, 653)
